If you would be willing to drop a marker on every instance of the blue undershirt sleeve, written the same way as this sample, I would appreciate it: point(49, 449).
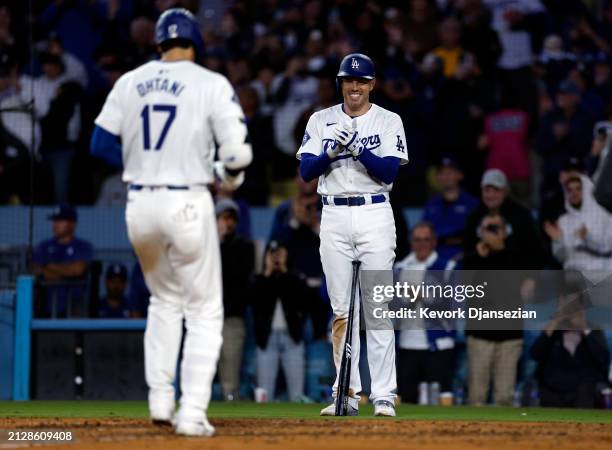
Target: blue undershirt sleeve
point(385, 169)
point(312, 166)
point(106, 146)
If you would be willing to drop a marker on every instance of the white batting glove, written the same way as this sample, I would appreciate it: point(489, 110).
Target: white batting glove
point(227, 181)
point(334, 150)
point(347, 136)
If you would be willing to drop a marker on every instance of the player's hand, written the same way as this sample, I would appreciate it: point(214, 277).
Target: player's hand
point(347, 136)
point(227, 181)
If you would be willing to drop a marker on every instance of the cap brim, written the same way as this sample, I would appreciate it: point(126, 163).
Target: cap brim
point(352, 75)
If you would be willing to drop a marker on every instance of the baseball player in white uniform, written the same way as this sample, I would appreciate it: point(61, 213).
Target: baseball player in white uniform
point(168, 114)
point(355, 149)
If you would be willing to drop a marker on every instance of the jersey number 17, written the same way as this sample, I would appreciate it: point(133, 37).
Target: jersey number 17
point(146, 131)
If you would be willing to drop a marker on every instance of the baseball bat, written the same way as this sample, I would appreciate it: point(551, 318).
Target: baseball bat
point(344, 379)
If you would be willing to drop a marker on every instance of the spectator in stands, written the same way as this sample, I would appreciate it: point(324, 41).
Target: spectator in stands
point(506, 139)
point(294, 90)
point(600, 147)
point(139, 295)
point(420, 30)
point(279, 300)
point(115, 305)
point(296, 223)
point(426, 348)
point(255, 189)
point(573, 358)
point(516, 23)
point(142, 41)
point(500, 236)
point(563, 132)
point(449, 50)
point(581, 238)
point(62, 263)
point(74, 68)
point(554, 64)
point(477, 37)
point(602, 79)
point(77, 26)
point(460, 106)
point(57, 101)
point(238, 261)
point(15, 133)
point(448, 211)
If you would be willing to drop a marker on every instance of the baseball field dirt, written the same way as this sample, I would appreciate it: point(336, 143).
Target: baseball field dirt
point(252, 427)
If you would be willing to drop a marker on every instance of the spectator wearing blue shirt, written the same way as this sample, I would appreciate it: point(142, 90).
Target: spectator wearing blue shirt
point(425, 346)
point(296, 224)
point(448, 210)
point(115, 305)
point(62, 263)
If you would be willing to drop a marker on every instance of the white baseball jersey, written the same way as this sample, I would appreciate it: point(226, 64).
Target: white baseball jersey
point(169, 115)
point(380, 131)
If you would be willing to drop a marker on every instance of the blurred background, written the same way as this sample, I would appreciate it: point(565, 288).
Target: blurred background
point(507, 109)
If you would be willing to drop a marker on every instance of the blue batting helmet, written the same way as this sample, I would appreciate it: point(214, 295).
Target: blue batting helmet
point(356, 65)
point(178, 23)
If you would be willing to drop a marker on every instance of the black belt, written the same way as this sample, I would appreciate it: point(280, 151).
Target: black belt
point(354, 201)
point(140, 187)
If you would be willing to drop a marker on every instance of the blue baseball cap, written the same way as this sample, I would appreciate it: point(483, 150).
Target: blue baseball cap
point(227, 204)
point(63, 211)
point(116, 270)
point(569, 87)
point(448, 161)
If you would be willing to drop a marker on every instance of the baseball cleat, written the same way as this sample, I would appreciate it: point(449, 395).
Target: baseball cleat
point(162, 418)
point(331, 410)
point(195, 429)
point(384, 408)
point(161, 422)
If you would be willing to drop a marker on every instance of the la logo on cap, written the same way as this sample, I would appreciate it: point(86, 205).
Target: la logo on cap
point(354, 63)
point(173, 31)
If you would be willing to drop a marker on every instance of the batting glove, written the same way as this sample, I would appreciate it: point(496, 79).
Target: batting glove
point(228, 182)
point(334, 150)
point(348, 137)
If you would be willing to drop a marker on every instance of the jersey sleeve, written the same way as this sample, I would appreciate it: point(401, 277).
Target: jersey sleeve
point(311, 142)
point(394, 140)
point(227, 117)
point(111, 116)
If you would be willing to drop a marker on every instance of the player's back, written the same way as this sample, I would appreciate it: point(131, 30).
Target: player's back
point(164, 114)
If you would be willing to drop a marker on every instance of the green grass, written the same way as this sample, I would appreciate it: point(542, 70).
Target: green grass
point(130, 409)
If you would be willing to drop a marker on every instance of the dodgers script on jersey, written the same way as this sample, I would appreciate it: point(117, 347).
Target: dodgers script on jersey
point(380, 131)
point(168, 115)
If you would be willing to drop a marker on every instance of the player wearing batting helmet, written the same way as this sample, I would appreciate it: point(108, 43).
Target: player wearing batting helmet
point(160, 122)
point(355, 150)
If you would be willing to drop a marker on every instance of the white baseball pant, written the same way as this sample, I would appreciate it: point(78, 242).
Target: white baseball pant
point(174, 234)
point(366, 233)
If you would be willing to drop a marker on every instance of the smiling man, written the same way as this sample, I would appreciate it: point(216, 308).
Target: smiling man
point(355, 149)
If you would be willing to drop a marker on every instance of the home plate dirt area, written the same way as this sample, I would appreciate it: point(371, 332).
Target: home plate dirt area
point(316, 434)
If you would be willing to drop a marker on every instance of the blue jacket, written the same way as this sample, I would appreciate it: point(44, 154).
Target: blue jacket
point(449, 221)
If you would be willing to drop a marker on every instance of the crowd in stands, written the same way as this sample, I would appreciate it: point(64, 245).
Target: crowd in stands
point(507, 107)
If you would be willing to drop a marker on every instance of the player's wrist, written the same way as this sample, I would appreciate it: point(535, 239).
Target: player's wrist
point(331, 153)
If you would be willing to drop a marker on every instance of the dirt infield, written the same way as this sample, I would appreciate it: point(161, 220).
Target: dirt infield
point(339, 434)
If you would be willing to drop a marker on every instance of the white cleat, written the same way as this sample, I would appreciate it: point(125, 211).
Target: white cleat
point(331, 410)
point(384, 408)
point(194, 429)
point(162, 417)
